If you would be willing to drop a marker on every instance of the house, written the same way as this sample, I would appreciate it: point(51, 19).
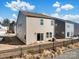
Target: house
point(69, 29)
point(76, 28)
point(64, 28)
point(33, 27)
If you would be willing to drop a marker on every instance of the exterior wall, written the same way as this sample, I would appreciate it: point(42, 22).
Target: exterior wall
point(59, 29)
point(69, 27)
point(21, 27)
point(76, 29)
point(34, 27)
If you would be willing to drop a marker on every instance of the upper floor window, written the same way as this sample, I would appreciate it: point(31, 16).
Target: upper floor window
point(41, 22)
point(52, 23)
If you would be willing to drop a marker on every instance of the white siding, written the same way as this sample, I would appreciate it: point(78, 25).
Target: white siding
point(21, 27)
point(34, 27)
point(69, 27)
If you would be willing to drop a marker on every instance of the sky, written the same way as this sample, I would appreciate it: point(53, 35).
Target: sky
point(64, 9)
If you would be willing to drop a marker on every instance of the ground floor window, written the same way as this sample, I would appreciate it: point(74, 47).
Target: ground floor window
point(47, 34)
point(40, 36)
point(72, 34)
point(50, 34)
point(68, 34)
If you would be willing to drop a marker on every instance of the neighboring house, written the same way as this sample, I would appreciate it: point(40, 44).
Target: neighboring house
point(76, 28)
point(59, 28)
point(64, 28)
point(32, 27)
point(69, 29)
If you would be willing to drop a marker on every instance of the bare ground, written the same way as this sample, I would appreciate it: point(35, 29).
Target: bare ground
point(11, 41)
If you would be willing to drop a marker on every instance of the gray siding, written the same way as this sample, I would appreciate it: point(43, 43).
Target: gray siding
point(59, 29)
point(76, 29)
point(21, 27)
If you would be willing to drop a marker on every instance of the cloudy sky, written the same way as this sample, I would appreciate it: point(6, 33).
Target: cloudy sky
point(65, 9)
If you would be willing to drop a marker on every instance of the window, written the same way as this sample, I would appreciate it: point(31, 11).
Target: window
point(67, 34)
point(50, 34)
point(25, 36)
point(40, 36)
point(47, 34)
point(41, 22)
point(71, 33)
point(52, 22)
point(0, 27)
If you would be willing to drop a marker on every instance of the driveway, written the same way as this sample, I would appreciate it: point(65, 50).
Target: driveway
point(74, 54)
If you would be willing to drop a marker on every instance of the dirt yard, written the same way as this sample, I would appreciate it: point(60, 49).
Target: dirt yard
point(11, 43)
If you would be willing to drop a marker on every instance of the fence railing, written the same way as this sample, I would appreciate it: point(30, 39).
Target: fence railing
point(23, 49)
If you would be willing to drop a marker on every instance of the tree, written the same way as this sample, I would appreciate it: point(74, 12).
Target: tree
point(13, 23)
point(6, 22)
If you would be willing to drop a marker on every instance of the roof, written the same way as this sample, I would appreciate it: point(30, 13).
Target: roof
point(30, 14)
point(58, 19)
point(69, 21)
